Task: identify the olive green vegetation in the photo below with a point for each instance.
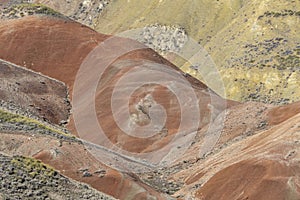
(201, 19)
(17, 119)
(33, 167)
(259, 56)
(247, 40)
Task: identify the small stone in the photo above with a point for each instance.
(86, 174)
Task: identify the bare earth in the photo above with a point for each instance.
(256, 155)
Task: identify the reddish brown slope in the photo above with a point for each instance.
(264, 166)
(32, 94)
(260, 166)
(71, 159)
(52, 46)
(57, 47)
(282, 113)
(271, 156)
(253, 179)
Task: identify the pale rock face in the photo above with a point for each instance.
(143, 109)
(86, 3)
(164, 38)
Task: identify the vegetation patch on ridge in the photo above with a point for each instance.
(15, 122)
(280, 14)
(28, 178)
(33, 167)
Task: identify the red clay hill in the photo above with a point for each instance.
(256, 155)
(57, 48)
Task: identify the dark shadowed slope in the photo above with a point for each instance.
(33, 94)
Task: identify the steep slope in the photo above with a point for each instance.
(266, 166)
(68, 155)
(117, 16)
(85, 12)
(193, 16)
(260, 164)
(255, 155)
(27, 178)
(61, 55)
(260, 39)
(262, 52)
(17, 10)
(33, 94)
(262, 179)
(58, 56)
(269, 156)
(49, 45)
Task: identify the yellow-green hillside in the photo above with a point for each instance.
(259, 52)
(200, 18)
(16, 122)
(254, 44)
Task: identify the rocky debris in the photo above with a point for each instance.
(101, 173)
(83, 11)
(7, 3)
(70, 60)
(244, 123)
(26, 178)
(73, 158)
(12, 109)
(163, 38)
(241, 122)
(25, 8)
(158, 180)
(249, 118)
(88, 11)
(10, 106)
(275, 20)
(142, 110)
(169, 185)
(86, 174)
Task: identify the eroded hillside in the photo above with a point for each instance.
(235, 151)
(259, 56)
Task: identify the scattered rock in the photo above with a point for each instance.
(164, 38)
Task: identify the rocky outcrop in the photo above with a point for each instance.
(83, 11)
(163, 38)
